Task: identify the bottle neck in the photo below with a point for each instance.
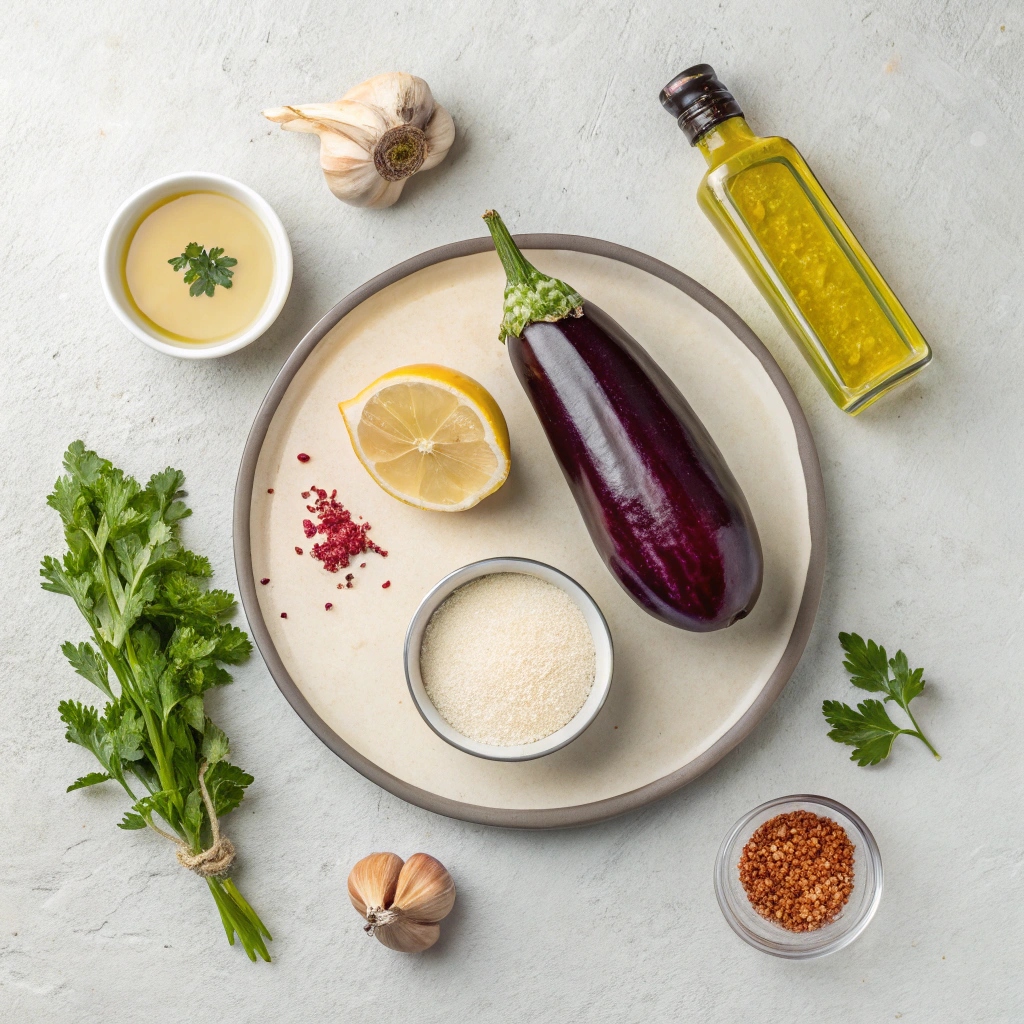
(724, 140)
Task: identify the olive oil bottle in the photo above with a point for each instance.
(769, 207)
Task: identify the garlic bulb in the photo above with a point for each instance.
(402, 903)
(374, 137)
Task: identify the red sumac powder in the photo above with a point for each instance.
(797, 870)
(342, 538)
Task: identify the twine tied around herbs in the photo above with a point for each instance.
(214, 862)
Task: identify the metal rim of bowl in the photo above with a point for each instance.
(440, 593)
(547, 817)
(828, 945)
(122, 222)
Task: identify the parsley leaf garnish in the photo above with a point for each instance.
(205, 270)
(869, 729)
(159, 642)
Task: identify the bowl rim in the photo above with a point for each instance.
(124, 220)
(603, 647)
(832, 941)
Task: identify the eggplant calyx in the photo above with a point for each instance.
(529, 295)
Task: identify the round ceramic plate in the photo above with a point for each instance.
(679, 701)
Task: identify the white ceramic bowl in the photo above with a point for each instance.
(118, 236)
(602, 649)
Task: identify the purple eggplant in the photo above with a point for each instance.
(661, 505)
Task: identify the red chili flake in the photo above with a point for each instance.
(302, 457)
(342, 537)
(385, 584)
(340, 585)
(298, 550)
(270, 490)
(362, 565)
(328, 606)
(284, 615)
(305, 494)
(348, 586)
(349, 576)
(265, 580)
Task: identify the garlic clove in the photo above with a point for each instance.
(356, 181)
(425, 891)
(388, 195)
(373, 881)
(408, 936)
(440, 134)
(403, 98)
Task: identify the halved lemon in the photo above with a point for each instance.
(430, 436)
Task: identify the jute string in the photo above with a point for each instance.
(214, 862)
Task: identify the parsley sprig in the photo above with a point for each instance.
(869, 729)
(206, 270)
(162, 634)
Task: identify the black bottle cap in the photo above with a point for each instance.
(698, 101)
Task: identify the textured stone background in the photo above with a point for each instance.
(911, 113)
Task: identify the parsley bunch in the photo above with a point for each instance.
(162, 634)
(869, 729)
(206, 270)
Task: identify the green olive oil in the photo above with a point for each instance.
(771, 210)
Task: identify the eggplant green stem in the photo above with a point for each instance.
(529, 295)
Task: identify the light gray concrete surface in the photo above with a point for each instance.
(911, 114)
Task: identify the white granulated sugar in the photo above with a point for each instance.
(507, 659)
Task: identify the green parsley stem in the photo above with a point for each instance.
(155, 738)
(921, 736)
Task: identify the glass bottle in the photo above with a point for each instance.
(771, 210)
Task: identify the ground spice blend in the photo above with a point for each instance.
(797, 870)
(343, 537)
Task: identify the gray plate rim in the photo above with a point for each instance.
(548, 817)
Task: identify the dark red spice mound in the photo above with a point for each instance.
(342, 537)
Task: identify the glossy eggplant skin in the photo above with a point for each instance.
(661, 505)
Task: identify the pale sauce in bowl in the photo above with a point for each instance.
(159, 293)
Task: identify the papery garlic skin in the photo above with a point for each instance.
(375, 137)
(425, 891)
(402, 903)
(407, 936)
(373, 881)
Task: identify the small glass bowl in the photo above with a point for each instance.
(772, 938)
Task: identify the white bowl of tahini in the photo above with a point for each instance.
(522, 682)
(153, 300)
